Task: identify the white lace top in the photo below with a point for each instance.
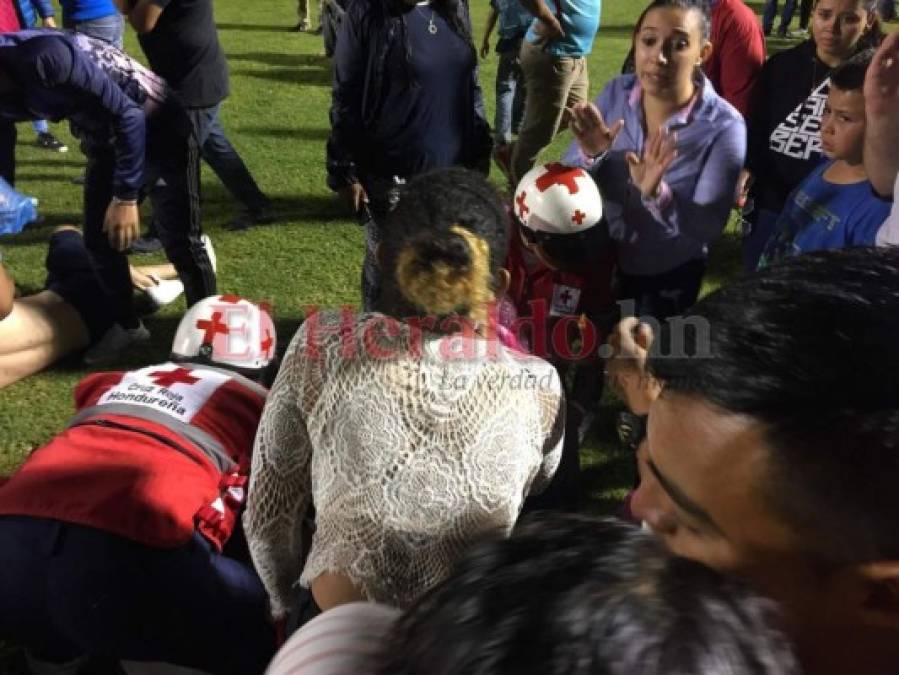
(411, 446)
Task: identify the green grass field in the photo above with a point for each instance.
(277, 116)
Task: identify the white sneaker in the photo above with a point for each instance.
(207, 242)
(164, 292)
(114, 342)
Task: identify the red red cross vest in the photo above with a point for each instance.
(562, 293)
(152, 455)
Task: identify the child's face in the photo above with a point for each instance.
(843, 125)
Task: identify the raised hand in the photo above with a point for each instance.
(647, 171)
(882, 79)
(626, 368)
(590, 129)
(882, 112)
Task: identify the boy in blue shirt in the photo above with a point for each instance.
(514, 21)
(836, 206)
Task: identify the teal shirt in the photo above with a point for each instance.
(580, 21)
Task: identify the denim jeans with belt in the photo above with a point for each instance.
(107, 28)
(218, 152)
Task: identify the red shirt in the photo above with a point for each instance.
(542, 296)
(738, 52)
(152, 455)
(9, 19)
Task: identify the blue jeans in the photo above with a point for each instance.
(219, 154)
(510, 93)
(68, 590)
(786, 17)
(107, 28)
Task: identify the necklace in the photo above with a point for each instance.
(432, 27)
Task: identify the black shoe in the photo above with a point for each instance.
(48, 141)
(247, 219)
(78, 180)
(146, 245)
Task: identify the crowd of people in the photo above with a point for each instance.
(396, 490)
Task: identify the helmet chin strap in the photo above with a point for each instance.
(205, 351)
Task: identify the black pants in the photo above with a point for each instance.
(72, 276)
(173, 157)
(68, 590)
(8, 137)
(383, 195)
(661, 296)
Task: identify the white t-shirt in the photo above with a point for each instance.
(888, 234)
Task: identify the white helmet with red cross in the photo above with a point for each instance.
(557, 199)
(229, 331)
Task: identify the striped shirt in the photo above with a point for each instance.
(345, 640)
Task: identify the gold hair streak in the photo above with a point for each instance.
(441, 289)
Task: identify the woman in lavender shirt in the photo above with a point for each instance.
(667, 162)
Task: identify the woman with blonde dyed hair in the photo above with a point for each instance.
(413, 431)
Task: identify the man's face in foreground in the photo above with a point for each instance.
(701, 492)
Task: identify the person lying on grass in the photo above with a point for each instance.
(70, 313)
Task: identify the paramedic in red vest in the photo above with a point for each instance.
(114, 536)
(561, 263)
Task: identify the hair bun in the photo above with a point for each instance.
(446, 273)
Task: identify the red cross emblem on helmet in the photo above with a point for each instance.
(560, 199)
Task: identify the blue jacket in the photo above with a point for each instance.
(30, 10)
(368, 34)
(86, 10)
(59, 80)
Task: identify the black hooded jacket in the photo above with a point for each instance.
(371, 50)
